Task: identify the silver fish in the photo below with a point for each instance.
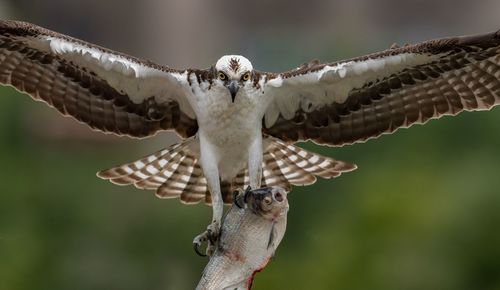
(251, 232)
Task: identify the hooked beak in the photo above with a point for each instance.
(233, 89)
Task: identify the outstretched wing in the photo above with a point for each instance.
(109, 91)
(358, 99)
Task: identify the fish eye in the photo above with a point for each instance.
(246, 76)
(222, 76)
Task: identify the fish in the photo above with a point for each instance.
(251, 232)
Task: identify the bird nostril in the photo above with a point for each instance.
(278, 196)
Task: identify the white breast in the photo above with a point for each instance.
(228, 126)
(226, 123)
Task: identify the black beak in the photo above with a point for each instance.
(233, 89)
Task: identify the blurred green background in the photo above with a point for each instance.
(421, 212)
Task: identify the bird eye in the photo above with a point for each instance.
(246, 77)
(222, 76)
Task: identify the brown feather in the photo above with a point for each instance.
(75, 91)
(465, 78)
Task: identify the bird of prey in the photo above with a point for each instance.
(239, 124)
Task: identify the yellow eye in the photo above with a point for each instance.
(246, 77)
(222, 76)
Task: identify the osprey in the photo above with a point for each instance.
(239, 124)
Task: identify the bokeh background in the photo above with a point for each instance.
(421, 212)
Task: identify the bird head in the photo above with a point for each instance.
(234, 72)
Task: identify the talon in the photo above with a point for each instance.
(197, 241)
(238, 198)
(247, 192)
(196, 247)
(211, 236)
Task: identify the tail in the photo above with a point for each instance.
(174, 172)
(285, 165)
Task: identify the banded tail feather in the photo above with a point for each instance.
(175, 172)
(285, 165)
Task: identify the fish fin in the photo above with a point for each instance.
(272, 235)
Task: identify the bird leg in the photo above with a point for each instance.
(211, 172)
(211, 235)
(255, 162)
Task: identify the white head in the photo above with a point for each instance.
(234, 72)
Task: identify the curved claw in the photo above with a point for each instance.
(238, 199)
(198, 241)
(196, 247)
(247, 192)
(210, 236)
